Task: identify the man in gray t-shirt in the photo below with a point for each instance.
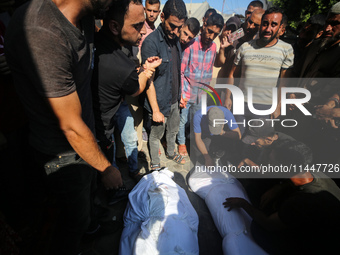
(262, 62)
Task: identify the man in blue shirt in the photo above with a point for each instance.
(209, 131)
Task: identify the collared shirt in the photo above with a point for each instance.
(157, 44)
(196, 69)
(149, 30)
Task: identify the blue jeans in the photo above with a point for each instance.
(187, 114)
(125, 123)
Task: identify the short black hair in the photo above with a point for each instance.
(175, 8)
(215, 20)
(256, 4)
(193, 25)
(209, 12)
(118, 10)
(153, 2)
(275, 9)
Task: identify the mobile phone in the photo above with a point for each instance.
(236, 35)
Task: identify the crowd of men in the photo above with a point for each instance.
(78, 88)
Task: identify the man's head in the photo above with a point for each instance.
(215, 113)
(152, 10)
(173, 17)
(125, 20)
(99, 7)
(313, 29)
(331, 33)
(211, 29)
(261, 134)
(271, 27)
(252, 6)
(208, 13)
(253, 23)
(189, 30)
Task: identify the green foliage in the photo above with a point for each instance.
(299, 11)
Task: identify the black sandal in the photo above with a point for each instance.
(177, 158)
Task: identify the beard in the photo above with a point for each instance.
(128, 41)
(169, 34)
(329, 41)
(266, 41)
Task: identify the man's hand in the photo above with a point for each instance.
(325, 112)
(224, 41)
(150, 66)
(235, 202)
(152, 63)
(276, 113)
(246, 162)
(149, 72)
(183, 102)
(228, 103)
(112, 178)
(208, 160)
(158, 117)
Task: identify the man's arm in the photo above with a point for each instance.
(68, 111)
(157, 116)
(220, 58)
(184, 82)
(228, 102)
(201, 146)
(285, 73)
(232, 134)
(149, 49)
(270, 223)
(148, 71)
(330, 110)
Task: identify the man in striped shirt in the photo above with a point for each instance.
(196, 72)
(262, 62)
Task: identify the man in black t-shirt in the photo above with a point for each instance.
(115, 74)
(49, 48)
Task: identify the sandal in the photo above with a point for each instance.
(155, 167)
(182, 150)
(177, 158)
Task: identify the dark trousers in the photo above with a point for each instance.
(71, 182)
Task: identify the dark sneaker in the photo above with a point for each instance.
(142, 156)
